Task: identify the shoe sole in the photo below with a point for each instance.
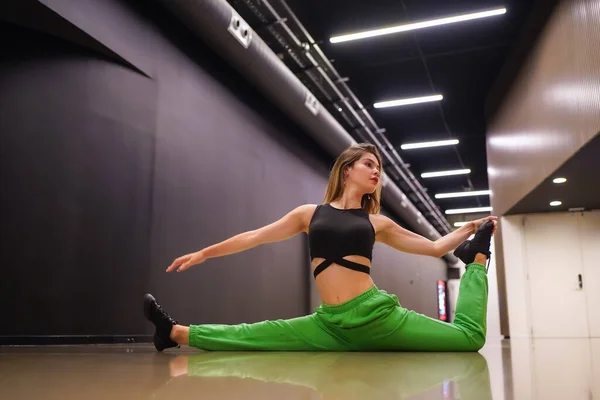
(158, 344)
(460, 252)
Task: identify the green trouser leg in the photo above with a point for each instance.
(418, 332)
(296, 334)
(372, 321)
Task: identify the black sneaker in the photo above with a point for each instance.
(162, 321)
(468, 249)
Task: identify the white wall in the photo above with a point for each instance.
(544, 254)
(493, 309)
(514, 270)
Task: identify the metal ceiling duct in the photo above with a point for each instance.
(222, 28)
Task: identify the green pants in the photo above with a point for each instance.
(372, 321)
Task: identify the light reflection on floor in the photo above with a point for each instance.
(516, 369)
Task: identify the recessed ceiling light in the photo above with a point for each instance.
(559, 180)
(555, 203)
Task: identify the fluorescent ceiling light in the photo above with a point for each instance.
(445, 173)
(459, 224)
(429, 144)
(404, 102)
(559, 180)
(416, 25)
(555, 203)
(463, 194)
(469, 210)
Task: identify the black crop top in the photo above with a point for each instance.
(334, 233)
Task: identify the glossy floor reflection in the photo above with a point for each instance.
(546, 369)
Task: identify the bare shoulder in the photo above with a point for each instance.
(305, 213)
(380, 222)
(306, 209)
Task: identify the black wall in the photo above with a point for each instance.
(107, 174)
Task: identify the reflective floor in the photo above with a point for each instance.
(516, 369)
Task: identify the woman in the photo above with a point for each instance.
(354, 315)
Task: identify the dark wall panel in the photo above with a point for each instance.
(224, 167)
(113, 174)
(411, 277)
(125, 172)
(77, 143)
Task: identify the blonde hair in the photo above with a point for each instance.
(371, 202)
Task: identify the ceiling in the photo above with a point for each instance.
(580, 190)
(460, 61)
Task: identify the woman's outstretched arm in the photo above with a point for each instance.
(289, 225)
(404, 240)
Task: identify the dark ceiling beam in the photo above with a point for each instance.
(401, 60)
(35, 16)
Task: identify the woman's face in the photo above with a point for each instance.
(364, 174)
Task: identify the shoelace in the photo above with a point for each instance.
(164, 314)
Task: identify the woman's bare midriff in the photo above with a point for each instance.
(337, 284)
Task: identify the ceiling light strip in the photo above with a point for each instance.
(416, 25)
(408, 101)
(469, 210)
(463, 194)
(423, 145)
(445, 173)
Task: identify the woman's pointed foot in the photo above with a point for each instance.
(480, 243)
(162, 321)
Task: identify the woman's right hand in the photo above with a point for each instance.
(186, 261)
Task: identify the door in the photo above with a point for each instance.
(589, 232)
(557, 305)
